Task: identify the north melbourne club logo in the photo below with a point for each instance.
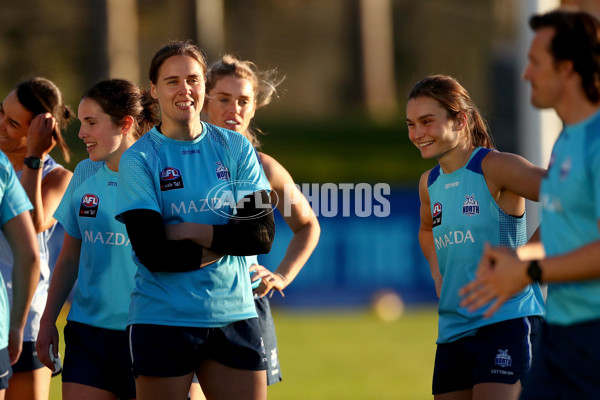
(222, 171)
(565, 168)
(503, 359)
(470, 206)
(274, 358)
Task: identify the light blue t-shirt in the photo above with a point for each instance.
(38, 303)
(570, 197)
(465, 216)
(191, 181)
(106, 269)
(13, 201)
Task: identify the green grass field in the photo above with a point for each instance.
(349, 354)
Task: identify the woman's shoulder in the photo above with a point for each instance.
(268, 161)
(495, 161)
(226, 137)
(147, 146)
(429, 176)
(274, 171)
(88, 164)
(52, 166)
(57, 177)
(5, 164)
(86, 168)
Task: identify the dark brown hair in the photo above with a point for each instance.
(576, 39)
(40, 95)
(119, 98)
(175, 49)
(455, 99)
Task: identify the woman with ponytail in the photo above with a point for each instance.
(32, 117)
(475, 195)
(114, 113)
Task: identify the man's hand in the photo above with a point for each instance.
(500, 275)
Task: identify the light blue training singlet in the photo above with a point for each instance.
(465, 216)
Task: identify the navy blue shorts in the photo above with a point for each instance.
(566, 363)
(99, 358)
(5, 369)
(267, 329)
(499, 353)
(169, 351)
(28, 360)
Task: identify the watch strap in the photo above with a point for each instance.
(534, 271)
(33, 162)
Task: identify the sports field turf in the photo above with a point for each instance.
(349, 354)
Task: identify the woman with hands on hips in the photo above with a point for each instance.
(235, 89)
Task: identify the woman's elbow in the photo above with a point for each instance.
(30, 259)
(154, 261)
(315, 229)
(265, 239)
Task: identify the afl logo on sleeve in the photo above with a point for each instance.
(89, 205)
(436, 215)
(170, 178)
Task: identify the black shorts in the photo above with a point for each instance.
(566, 363)
(168, 351)
(99, 358)
(498, 353)
(28, 360)
(5, 369)
(267, 329)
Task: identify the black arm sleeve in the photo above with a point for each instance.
(147, 235)
(250, 231)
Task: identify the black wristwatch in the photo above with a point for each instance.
(33, 162)
(534, 271)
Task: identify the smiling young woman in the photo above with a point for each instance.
(114, 113)
(31, 119)
(192, 292)
(235, 90)
(474, 195)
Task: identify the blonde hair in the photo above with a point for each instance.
(264, 84)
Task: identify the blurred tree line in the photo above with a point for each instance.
(348, 65)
